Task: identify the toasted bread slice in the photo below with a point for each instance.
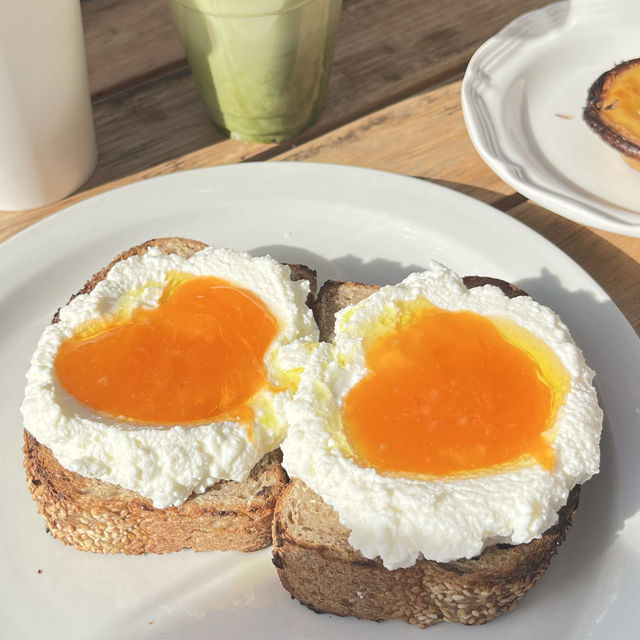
(101, 517)
(319, 567)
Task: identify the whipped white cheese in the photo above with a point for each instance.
(167, 464)
(402, 519)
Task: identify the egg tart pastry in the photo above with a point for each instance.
(613, 109)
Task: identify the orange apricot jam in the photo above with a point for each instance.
(454, 392)
(198, 355)
(622, 105)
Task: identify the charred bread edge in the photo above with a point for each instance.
(469, 591)
(128, 523)
(462, 591)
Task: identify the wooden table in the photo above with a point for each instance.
(393, 104)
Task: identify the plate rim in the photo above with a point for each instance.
(59, 217)
(483, 128)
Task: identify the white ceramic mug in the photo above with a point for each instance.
(47, 139)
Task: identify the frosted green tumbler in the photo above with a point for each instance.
(261, 66)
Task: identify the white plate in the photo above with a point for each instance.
(522, 98)
(348, 223)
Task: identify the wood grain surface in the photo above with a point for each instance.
(386, 50)
(393, 104)
(128, 42)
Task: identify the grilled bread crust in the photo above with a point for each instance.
(97, 516)
(318, 566)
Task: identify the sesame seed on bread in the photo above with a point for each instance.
(97, 516)
(318, 566)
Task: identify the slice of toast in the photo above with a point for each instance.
(101, 517)
(319, 567)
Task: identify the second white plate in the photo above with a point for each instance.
(522, 98)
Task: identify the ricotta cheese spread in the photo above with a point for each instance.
(167, 464)
(402, 518)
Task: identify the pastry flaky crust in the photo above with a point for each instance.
(97, 516)
(596, 108)
(318, 566)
